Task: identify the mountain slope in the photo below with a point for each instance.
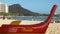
(16, 8)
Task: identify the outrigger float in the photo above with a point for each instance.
(28, 29)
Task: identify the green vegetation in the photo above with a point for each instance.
(22, 14)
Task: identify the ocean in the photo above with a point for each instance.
(38, 18)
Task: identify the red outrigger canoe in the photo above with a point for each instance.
(28, 29)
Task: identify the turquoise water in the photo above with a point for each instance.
(39, 18)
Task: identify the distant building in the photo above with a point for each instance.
(3, 8)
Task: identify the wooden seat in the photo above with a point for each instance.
(15, 22)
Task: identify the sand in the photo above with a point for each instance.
(28, 22)
(23, 22)
(5, 21)
(53, 28)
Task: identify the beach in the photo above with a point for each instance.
(5, 21)
(53, 28)
(23, 22)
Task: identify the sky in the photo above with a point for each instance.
(39, 6)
